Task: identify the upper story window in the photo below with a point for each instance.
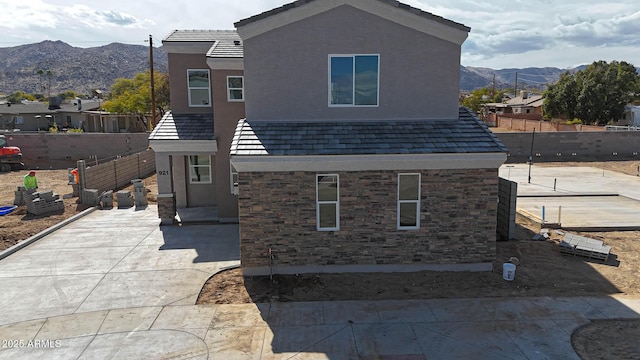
(354, 80)
(235, 88)
(199, 88)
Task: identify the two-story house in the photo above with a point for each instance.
(192, 141)
(354, 154)
(351, 153)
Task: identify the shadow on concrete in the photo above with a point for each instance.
(212, 243)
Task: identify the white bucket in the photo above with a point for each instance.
(508, 271)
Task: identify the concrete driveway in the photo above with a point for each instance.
(109, 259)
(115, 285)
(581, 198)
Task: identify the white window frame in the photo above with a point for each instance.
(324, 202)
(353, 70)
(208, 88)
(208, 167)
(412, 201)
(229, 89)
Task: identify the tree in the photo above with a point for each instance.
(596, 95)
(481, 96)
(40, 73)
(18, 96)
(133, 96)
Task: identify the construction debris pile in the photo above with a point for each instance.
(38, 202)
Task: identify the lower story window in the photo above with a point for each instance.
(200, 169)
(408, 201)
(327, 202)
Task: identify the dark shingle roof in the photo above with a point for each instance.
(200, 35)
(397, 4)
(467, 134)
(184, 127)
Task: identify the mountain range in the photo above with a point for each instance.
(85, 69)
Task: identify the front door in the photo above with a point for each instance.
(201, 186)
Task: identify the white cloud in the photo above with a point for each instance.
(512, 32)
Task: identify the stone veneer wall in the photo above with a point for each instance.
(458, 219)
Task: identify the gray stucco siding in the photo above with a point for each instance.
(288, 68)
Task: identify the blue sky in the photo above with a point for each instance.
(504, 33)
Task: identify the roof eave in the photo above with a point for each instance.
(400, 13)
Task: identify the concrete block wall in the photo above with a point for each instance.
(63, 150)
(534, 121)
(561, 146)
(119, 173)
(458, 220)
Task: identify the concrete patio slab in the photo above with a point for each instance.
(240, 315)
(344, 312)
(295, 314)
(580, 191)
(309, 342)
(29, 298)
(466, 340)
(69, 238)
(185, 317)
(459, 310)
(131, 319)
(236, 343)
(144, 288)
(71, 326)
(539, 340)
(391, 311)
(63, 349)
(52, 262)
(386, 338)
(154, 344)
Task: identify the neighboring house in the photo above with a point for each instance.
(79, 114)
(192, 141)
(631, 116)
(524, 104)
(354, 154)
(27, 116)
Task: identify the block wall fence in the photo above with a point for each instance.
(118, 173)
(46, 150)
(572, 146)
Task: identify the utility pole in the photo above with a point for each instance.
(515, 88)
(533, 136)
(153, 92)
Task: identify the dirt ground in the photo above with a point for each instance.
(20, 225)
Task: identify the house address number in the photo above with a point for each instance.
(163, 172)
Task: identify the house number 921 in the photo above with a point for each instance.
(163, 172)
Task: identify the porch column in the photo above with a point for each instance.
(166, 196)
